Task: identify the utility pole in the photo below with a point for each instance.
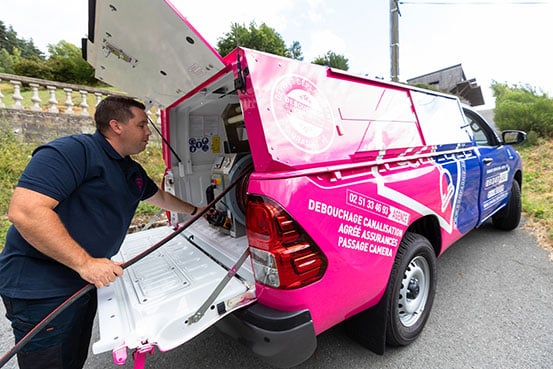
(394, 40)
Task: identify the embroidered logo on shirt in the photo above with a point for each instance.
(139, 183)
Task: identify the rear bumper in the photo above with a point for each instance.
(281, 338)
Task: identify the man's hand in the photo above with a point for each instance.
(100, 272)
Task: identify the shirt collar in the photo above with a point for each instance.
(98, 137)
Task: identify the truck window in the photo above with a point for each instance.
(440, 118)
(483, 133)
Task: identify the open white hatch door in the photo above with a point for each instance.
(152, 303)
(147, 49)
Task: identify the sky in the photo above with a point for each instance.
(494, 40)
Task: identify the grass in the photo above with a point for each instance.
(152, 161)
(14, 156)
(537, 190)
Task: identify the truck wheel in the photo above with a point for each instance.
(508, 218)
(412, 287)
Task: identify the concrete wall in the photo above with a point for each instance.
(41, 127)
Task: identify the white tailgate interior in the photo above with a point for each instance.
(147, 49)
(153, 300)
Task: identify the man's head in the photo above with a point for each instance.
(123, 122)
(115, 107)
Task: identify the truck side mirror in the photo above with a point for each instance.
(513, 136)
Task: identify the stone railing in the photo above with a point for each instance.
(52, 106)
(80, 107)
(37, 118)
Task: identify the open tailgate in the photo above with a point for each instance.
(152, 302)
(147, 49)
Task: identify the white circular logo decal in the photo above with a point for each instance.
(302, 113)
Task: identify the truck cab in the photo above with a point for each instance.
(340, 191)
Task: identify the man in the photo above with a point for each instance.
(70, 212)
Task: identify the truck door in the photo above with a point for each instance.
(494, 163)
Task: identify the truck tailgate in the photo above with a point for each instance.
(154, 299)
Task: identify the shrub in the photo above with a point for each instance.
(522, 107)
(14, 156)
(33, 68)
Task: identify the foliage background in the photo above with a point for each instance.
(14, 156)
(64, 64)
(523, 107)
(267, 39)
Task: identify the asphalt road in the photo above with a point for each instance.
(493, 309)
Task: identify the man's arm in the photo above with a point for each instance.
(33, 215)
(167, 201)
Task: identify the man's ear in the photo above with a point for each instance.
(115, 126)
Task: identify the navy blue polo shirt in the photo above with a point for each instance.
(98, 191)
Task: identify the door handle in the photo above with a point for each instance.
(487, 161)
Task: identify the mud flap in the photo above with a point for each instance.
(369, 327)
(280, 338)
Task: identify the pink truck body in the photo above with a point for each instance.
(351, 165)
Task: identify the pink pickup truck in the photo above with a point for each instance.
(348, 189)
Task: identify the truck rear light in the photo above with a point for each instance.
(283, 255)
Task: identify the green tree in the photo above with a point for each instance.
(29, 50)
(4, 36)
(33, 67)
(9, 41)
(333, 60)
(262, 38)
(523, 107)
(7, 61)
(295, 51)
(68, 65)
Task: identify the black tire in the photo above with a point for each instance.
(508, 218)
(411, 290)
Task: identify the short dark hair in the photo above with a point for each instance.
(115, 107)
